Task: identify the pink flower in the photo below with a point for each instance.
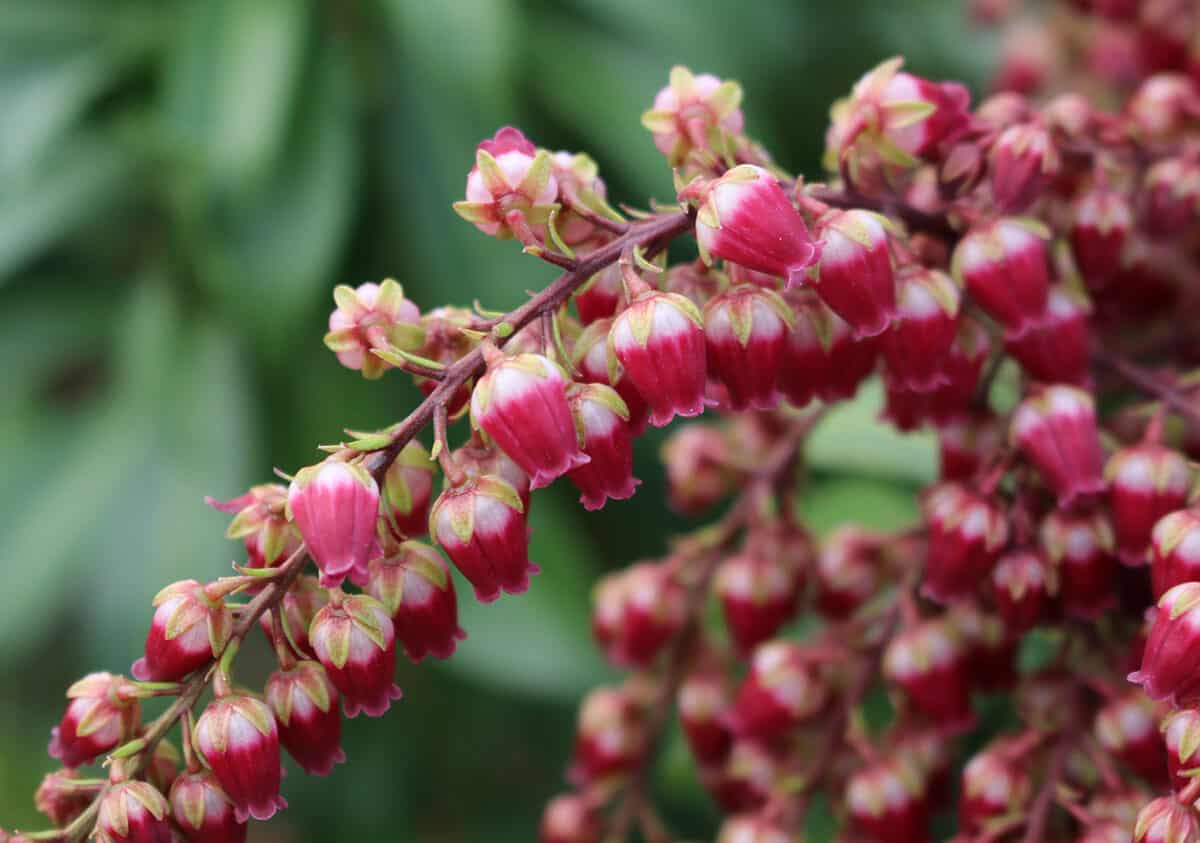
(590, 359)
(782, 690)
(1023, 585)
(260, 520)
(966, 443)
(659, 341)
(746, 330)
(751, 828)
(1057, 346)
(601, 296)
(297, 610)
(335, 504)
(511, 189)
(203, 812)
(356, 643)
(1056, 430)
(636, 612)
(1127, 728)
(850, 567)
(602, 420)
(571, 818)
(133, 812)
(854, 276)
(62, 798)
(925, 328)
(699, 474)
(610, 738)
(408, 492)
(415, 587)
(822, 358)
(1003, 265)
(889, 800)
(1166, 820)
(1145, 483)
(994, 784)
(1022, 160)
(521, 403)
(704, 701)
(188, 631)
(745, 217)
(99, 718)
(481, 526)
(693, 112)
(1100, 228)
(758, 593)
(1181, 733)
(1081, 549)
(967, 532)
(1175, 543)
(305, 704)
(928, 661)
(1170, 196)
(372, 317)
(1171, 659)
(238, 738)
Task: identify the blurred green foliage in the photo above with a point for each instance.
(181, 184)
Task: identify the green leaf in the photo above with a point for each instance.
(876, 504)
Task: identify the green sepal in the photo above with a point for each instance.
(128, 749)
(347, 300)
(365, 614)
(186, 615)
(901, 114)
(398, 357)
(474, 212)
(501, 490)
(220, 629)
(489, 170)
(342, 339)
(555, 237)
(537, 177)
(726, 99)
(313, 682)
(255, 712)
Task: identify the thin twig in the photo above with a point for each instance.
(1152, 384)
(1039, 812)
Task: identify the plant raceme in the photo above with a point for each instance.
(1041, 239)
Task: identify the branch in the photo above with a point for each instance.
(914, 218)
(1151, 384)
(1039, 812)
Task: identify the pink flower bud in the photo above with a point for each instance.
(1056, 430)
(98, 719)
(478, 458)
(749, 828)
(1145, 483)
(703, 701)
(637, 611)
(188, 631)
(238, 738)
(693, 113)
(1023, 585)
(601, 296)
(162, 768)
(889, 801)
(1127, 728)
(1163, 106)
(203, 812)
(990, 649)
(1030, 56)
(1175, 542)
(1105, 831)
(994, 784)
(759, 594)
(415, 587)
(260, 520)
(408, 491)
(782, 690)
(356, 643)
(746, 329)
(822, 359)
(697, 281)
(305, 705)
(1023, 160)
(1081, 548)
(1167, 821)
(590, 359)
(925, 328)
(747, 779)
(570, 818)
(1003, 265)
(373, 316)
(1181, 733)
(1170, 197)
(602, 420)
(335, 504)
(61, 798)
(447, 344)
(610, 739)
(521, 403)
(511, 189)
(928, 662)
(854, 276)
(579, 185)
(659, 341)
(697, 458)
(745, 217)
(1171, 659)
(1100, 227)
(481, 526)
(297, 610)
(133, 812)
(967, 532)
(850, 567)
(966, 444)
(1056, 347)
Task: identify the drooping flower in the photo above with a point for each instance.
(1082, 549)
(610, 738)
(408, 491)
(239, 741)
(305, 704)
(1145, 483)
(746, 330)
(1003, 265)
(925, 327)
(1100, 226)
(1175, 544)
(511, 189)
(1056, 429)
(694, 112)
(782, 689)
(189, 629)
(260, 520)
(854, 276)
(99, 717)
(1023, 160)
(415, 587)
(133, 812)
(928, 662)
(602, 423)
(1171, 658)
(967, 532)
(356, 644)
(203, 812)
(336, 504)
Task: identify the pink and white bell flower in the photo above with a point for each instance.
(1003, 264)
(239, 741)
(415, 587)
(133, 812)
(1171, 658)
(854, 275)
(100, 716)
(372, 317)
(925, 327)
(189, 629)
(967, 532)
(928, 661)
(1100, 225)
(203, 812)
(1146, 482)
(758, 593)
(407, 492)
(1055, 428)
(511, 190)
(1082, 549)
(694, 112)
(1022, 162)
(1175, 547)
(746, 331)
(602, 421)
(1057, 346)
(782, 689)
(335, 505)
(355, 642)
(305, 704)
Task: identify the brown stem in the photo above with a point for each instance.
(1039, 812)
(1151, 384)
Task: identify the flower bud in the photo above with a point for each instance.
(1057, 346)
(659, 341)
(481, 526)
(1145, 483)
(698, 460)
(703, 701)
(260, 520)
(373, 316)
(1170, 197)
(590, 359)
(1056, 430)
(759, 594)
(699, 282)
(1081, 549)
(854, 276)
(1171, 659)
(601, 295)
(694, 112)
(994, 784)
(1105, 831)
(746, 329)
(162, 767)
(966, 444)
(925, 328)
(967, 532)
(61, 798)
(1163, 106)
(747, 779)
(1100, 226)
(928, 662)
(356, 643)
(570, 818)
(781, 690)
(98, 719)
(579, 186)
(408, 491)
(745, 217)
(416, 589)
(1022, 161)
(822, 358)
(521, 403)
(305, 705)
(637, 611)
(189, 630)
(850, 568)
(335, 504)
(889, 800)
(1023, 585)
(133, 812)
(750, 828)
(1127, 728)
(610, 739)
(602, 421)
(203, 812)
(1167, 821)
(511, 189)
(297, 610)
(478, 458)
(1181, 733)
(1003, 265)
(446, 343)
(239, 740)
(1175, 542)
(990, 649)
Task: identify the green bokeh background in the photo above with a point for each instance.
(182, 183)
